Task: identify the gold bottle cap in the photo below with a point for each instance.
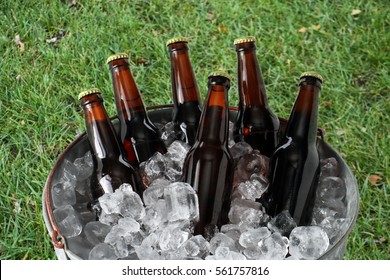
(247, 39)
(88, 92)
(176, 40)
(312, 74)
(117, 56)
(221, 74)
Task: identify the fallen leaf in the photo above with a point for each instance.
(380, 240)
(223, 28)
(52, 40)
(316, 27)
(355, 12)
(340, 132)
(373, 179)
(303, 30)
(72, 3)
(19, 43)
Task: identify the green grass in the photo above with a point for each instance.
(40, 116)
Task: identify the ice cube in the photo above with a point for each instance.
(174, 158)
(172, 238)
(181, 202)
(240, 149)
(196, 246)
(124, 235)
(127, 228)
(70, 171)
(109, 219)
(177, 151)
(155, 191)
(282, 223)
(333, 208)
(232, 230)
(169, 133)
(250, 219)
(62, 194)
(249, 164)
(131, 204)
(155, 167)
(68, 221)
(222, 253)
(79, 246)
(274, 247)
(102, 251)
(126, 188)
(149, 249)
(253, 188)
(221, 240)
(96, 232)
(231, 141)
(252, 237)
(330, 188)
(124, 201)
(333, 227)
(308, 242)
(155, 215)
(111, 202)
(84, 166)
(174, 171)
(122, 249)
(237, 208)
(329, 167)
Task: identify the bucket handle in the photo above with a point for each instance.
(56, 238)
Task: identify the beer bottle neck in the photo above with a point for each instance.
(214, 122)
(100, 131)
(184, 86)
(250, 80)
(127, 96)
(302, 123)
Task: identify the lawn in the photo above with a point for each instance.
(52, 50)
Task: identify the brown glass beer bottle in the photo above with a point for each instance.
(111, 167)
(255, 123)
(136, 129)
(208, 166)
(295, 163)
(187, 106)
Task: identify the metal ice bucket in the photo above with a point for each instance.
(70, 249)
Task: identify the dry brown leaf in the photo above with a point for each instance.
(223, 28)
(19, 43)
(355, 12)
(373, 179)
(303, 30)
